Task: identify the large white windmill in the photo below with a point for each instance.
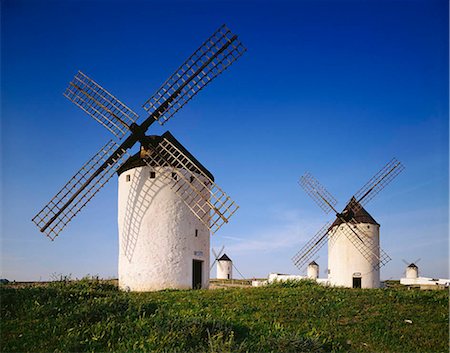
(354, 254)
(168, 202)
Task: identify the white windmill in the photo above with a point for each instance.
(224, 264)
(312, 270)
(224, 267)
(354, 254)
(168, 202)
(411, 271)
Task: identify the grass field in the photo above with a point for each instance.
(91, 315)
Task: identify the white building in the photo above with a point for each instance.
(412, 271)
(413, 280)
(313, 270)
(347, 267)
(224, 267)
(162, 244)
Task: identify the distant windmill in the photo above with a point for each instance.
(411, 271)
(216, 256)
(150, 180)
(224, 265)
(354, 255)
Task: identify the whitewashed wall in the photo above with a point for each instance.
(312, 271)
(412, 272)
(157, 241)
(345, 261)
(224, 269)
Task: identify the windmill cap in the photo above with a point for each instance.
(412, 265)
(361, 216)
(313, 263)
(224, 257)
(136, 160)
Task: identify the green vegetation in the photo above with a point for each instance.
(91, 315)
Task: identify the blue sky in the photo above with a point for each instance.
(336, 88)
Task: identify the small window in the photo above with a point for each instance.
(191, 178)
(368, 227)
(196, 232)
(128, 178)
(152, 175)
(174, 176)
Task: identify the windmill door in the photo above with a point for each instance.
(356, 282)
(197, 274)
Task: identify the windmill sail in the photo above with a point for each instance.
(216, 257)
(377, 183)
(318, 193)
(311, 248)
(76, 194)
(216, 54)
(208, 202)
(100, 104)
(354, 232)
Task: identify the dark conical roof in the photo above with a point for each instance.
(362, 216)
(412, 265)
(224, 257)
(313, 263)
(136, 160)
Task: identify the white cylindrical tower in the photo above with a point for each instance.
(412, 271)
(313, 270)
(347, 267)
(224, 267)
(162, 244)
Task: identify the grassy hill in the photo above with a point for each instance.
(91, 315)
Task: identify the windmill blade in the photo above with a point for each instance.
(100, 104)
(220, 251)
(207, 201)
(377, 183)
(364, 244)
(406, 262)
(71, 199)
(212, 58)
(216, 256)
(215, 259)
(318, 193)
(311, 247)
(234, 266)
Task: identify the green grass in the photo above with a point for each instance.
(90, 315)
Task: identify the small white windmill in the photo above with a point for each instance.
(354, 254)
(411, 271)
(216, 256)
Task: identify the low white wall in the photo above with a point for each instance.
(425, 281)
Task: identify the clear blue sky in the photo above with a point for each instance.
(336, 88)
